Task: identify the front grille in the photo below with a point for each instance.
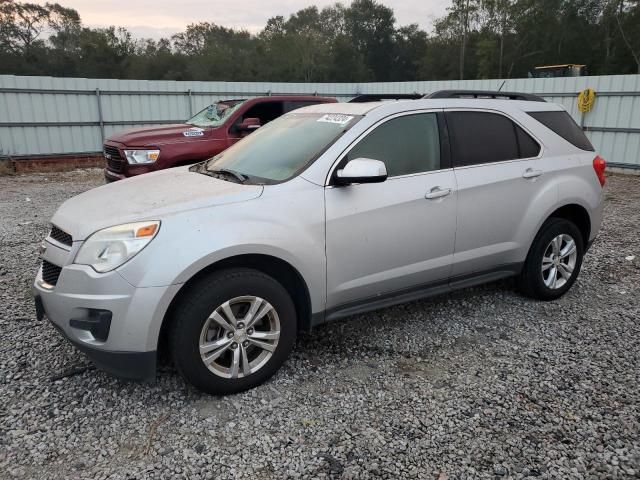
(50, 272)
(60, 236)
(115, 162)
(115, 165)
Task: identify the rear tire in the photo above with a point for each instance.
(232, 330)
(554, 260)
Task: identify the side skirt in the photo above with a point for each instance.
(415, 293)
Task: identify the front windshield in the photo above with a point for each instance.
(283, 147)
(215, 114)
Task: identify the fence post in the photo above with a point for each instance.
(190, 103)
(100, 119)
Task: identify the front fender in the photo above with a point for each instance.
(311, 269)
(286, 222)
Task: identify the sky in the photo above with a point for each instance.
(158, 18)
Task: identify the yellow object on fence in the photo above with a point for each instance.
(586, 99)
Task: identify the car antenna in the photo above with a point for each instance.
(503, 82)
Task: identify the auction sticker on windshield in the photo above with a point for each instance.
(335, 118)
(193, 132)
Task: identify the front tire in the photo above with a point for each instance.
(554, 260)
(232, 331)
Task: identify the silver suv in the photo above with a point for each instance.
(328, 211)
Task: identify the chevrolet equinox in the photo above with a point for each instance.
(328, 211)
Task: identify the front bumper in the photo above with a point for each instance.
(128, 171)
(110, 176)
(127, 365)
(136, 314)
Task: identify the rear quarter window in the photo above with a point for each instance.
(529, 148)
(562, 124)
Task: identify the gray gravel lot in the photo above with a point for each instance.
(478, 384)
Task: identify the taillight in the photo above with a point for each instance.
(599, 165)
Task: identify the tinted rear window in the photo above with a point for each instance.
(479, 137)
(562, 124)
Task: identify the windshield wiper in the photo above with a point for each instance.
(241, 177)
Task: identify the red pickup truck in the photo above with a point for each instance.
(206, 134)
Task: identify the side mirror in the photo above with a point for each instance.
(249, 125)
(362, 170)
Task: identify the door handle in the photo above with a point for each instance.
(531, 173)
(437, 192)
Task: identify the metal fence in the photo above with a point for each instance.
(52, 116)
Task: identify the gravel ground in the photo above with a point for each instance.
(478, 384)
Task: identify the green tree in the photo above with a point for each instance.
(410, 45)
(21, 25)
(213, 52)
(627, 17)
(371, 27)
(359, 41)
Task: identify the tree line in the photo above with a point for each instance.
(359, 42)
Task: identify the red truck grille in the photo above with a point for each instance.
(115, 162)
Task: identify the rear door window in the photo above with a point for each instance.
(481, 137)
(484, 137)
(562, 124)
(407, 144)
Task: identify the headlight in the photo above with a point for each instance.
(107, 249)
(137, 157)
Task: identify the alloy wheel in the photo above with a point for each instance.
(239, 337)
(559, 261)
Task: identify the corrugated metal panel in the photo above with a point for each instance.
(43, 100)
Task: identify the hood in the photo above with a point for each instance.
(158, 135)
(147, 197)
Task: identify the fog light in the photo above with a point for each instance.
(97, 323)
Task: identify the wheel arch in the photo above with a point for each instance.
(574, 212)
(277, 268)
(577, 215)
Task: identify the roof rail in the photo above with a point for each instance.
(376, 97)
(484, 94)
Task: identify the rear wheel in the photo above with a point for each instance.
(232, 331)
(554, 260)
